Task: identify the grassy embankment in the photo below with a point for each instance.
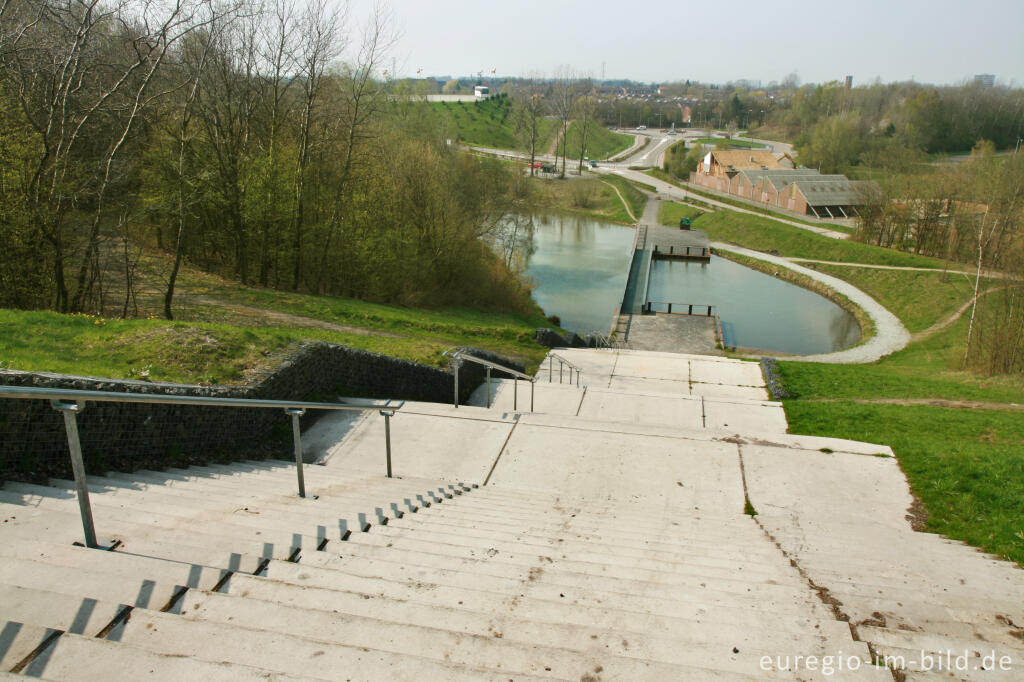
(589, 196)
(660, 174)
(489, 124)
(601, 142)
(712, 142)
(958, 436)
(225, 333)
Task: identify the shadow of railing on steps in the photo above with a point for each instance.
(71, 403)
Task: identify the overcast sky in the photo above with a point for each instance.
(931, 41)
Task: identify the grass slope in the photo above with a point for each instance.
(224, 332)
(601, 142)
(764, 234)
(671, 212)
(489, 123)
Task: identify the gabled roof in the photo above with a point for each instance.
(830, 192)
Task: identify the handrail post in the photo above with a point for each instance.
(560, 366)
(531, 395)
(515, 393)
(295, 413)
(488, 386)
(456, 365)
(387, 437)
(551, 367)
(70, 410)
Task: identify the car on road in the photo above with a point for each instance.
(593, 164)
(641, 127)
(536, 164)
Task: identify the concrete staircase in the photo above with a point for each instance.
(605, 543)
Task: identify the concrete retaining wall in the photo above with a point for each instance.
(127, 436)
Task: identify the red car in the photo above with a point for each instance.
(536, 164)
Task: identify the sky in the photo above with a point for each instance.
(933, 41)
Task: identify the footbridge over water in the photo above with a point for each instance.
(636, 321)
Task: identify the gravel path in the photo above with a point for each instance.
(890, 334)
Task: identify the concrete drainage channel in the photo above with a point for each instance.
(34, 664)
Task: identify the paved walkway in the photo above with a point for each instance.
(890, 334)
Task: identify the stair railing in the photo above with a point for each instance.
(562, 363)
(70, 403)
(459, 356)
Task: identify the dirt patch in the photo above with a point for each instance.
(932, 402)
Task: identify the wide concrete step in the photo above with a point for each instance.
(335, 477)
(932, 616)
(287, 511)
(316, 655)
(549, 647)
(755, 544)
(311, 535)
(522, 618)
(545, 544)
(454, 586)
(671, 583)
(149, 590)
(782, 624)
(473, 547)
(950, 597)
(284, 483)
(506, 561)
(59, 559)
(975, 585)
(931, 643)
(30, 524)
(86, 659)
(19, 639)
(976, 664)
(79, 614)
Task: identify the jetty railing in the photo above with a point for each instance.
(562, 363)
(70, 403)
(703, 309)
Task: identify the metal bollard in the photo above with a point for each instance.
(387, 436)
(70, 410)
(531, 395)
(488, 387)
(295, 413)
(515, 393)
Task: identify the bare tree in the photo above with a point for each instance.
(585, 114)
(528, 106)
(563, 97)
(324, 41)
(360, 96)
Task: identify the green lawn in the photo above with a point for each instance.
(218, 344)
(919, 299)
(637, 200)
(764, 234)
(671, 212)
(564, 196)
(488, 123)
(601, 142)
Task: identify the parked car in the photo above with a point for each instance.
(537, 164)
(593, 164)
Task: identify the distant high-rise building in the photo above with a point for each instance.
(849, 82)
(985, 80)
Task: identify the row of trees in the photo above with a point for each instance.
(567, 97)
(969, 212)
(256, 139)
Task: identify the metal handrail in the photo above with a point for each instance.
(458, 356)
(71, 402)
(648, 308)
(561, 363)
